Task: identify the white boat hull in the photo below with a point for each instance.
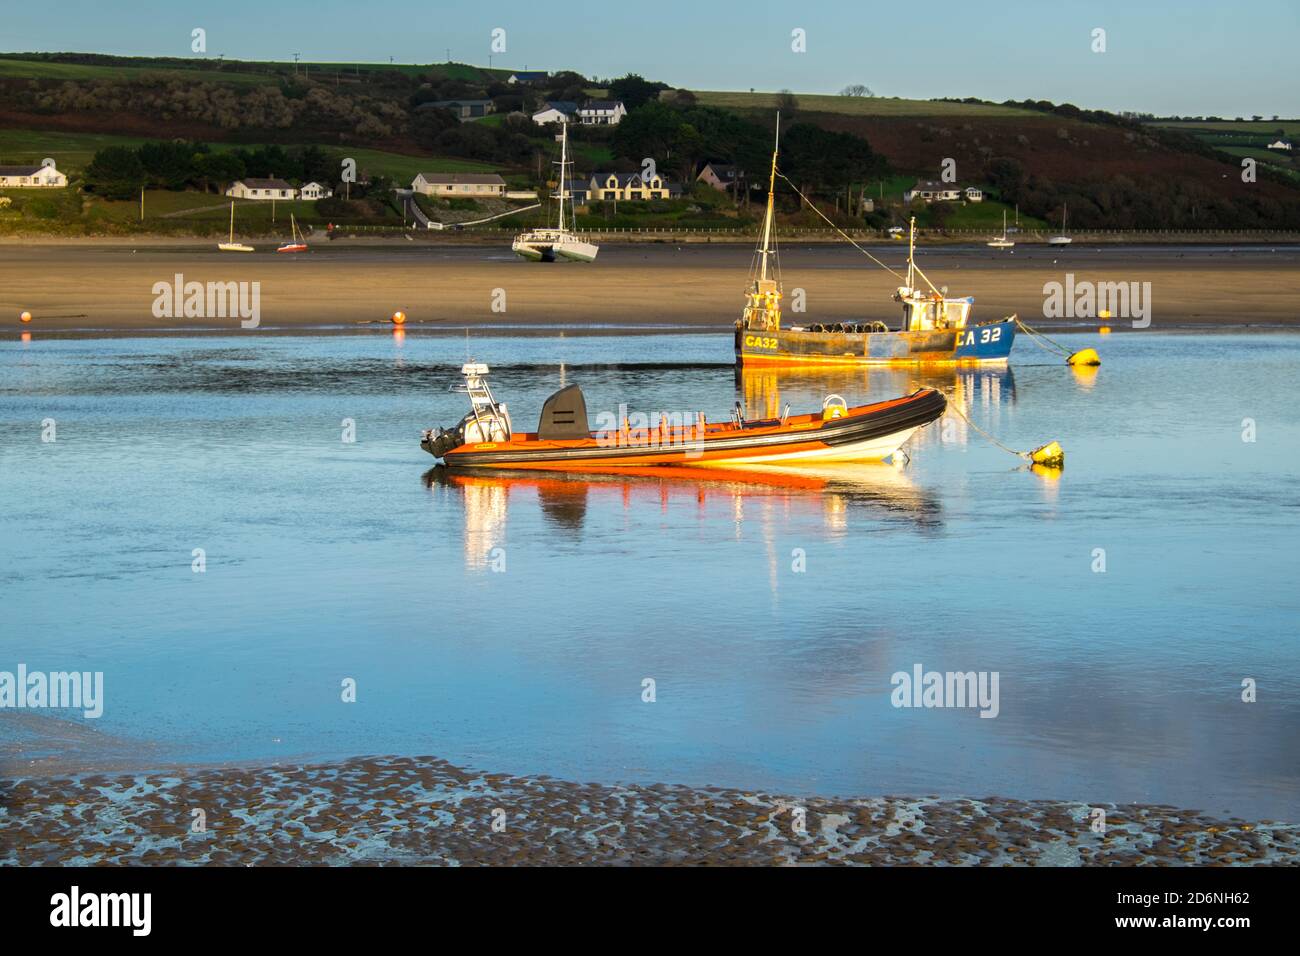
(548, 249)
(870, 449)
(234, 247)
(1059, 241)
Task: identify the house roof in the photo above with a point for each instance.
(19, 170)
(563, 106)
(721, 170)
(265, 183)
(463, 179)
(627, 179)
(530, 75)
(603, 105)
(931, 185)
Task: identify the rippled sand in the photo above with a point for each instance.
(427, 811)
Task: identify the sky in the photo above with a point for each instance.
(1193, 57)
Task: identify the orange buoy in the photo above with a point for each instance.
(399, 318)
(1104, 330)
(25, 317)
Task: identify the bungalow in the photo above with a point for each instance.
(32, 177)
(314, 190)
(930, 191)
(261, 189)
(1279, 144)
(460, 185)
(464, 109)
(631, 186)
(721, 176)
(602, 113)
(556, 111)
(974, 194)
(528, 76)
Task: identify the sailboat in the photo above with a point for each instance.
(1062, 239)
(936, 329)
(297, 241)
(1001, 242)
(547, 245)
(233, 246)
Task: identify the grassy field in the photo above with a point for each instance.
(72, 151)
(1260, 128)
(858, 105)
(40, 70)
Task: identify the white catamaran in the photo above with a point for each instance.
(547, 245)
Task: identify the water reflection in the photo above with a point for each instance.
(771, 498)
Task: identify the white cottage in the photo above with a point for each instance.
(602, 113)
(265, 189)
(315, 190)
(459, 185)
(32, 177)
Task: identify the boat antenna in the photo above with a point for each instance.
(771, 202)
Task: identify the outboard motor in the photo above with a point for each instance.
(487, 421)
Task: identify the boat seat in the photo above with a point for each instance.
(564, 416)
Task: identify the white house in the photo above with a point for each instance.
(602, 113)
(264, 189)
(314, 190)
(528, 76)
(556, 111)
(1280, 144)
(460, 185)
(931, 191)
(974, 194)
(32, 177)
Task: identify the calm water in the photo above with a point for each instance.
(328, 560)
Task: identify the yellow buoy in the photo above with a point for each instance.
(1104, 330)
(25, 317)
(1046, 471)
(1084, 357)
(1050, 455)
(399, 318)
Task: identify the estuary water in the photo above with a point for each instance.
(201, 532)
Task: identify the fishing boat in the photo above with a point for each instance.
(297, 241)
(1062, 239)
(547, 245)
(564, 441)
(233, 246)
(935, 329)
(1001, 242)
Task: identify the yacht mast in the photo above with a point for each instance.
(771, 202)
(564, 157)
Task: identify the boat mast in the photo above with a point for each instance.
(911, 251)
(564, 156)
(232, 221)
(771, 203)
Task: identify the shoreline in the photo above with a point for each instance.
(109, 287)
(426, 811)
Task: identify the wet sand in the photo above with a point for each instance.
(108, 285)
(397, 810)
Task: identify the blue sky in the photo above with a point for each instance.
(1192, 57)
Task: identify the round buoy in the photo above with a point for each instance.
(399, 318)
(25, 317)
(1050, 455)
(1084, 357)
(1104, 330)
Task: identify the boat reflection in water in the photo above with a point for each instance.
(981, 394)
(760, 498)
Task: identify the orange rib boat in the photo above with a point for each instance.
(485, 437)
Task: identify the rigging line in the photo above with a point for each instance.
(847, 238)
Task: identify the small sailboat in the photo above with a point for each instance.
(1062, 239)
(233, 246)
(547, 245)
(1001, 242)
(297, 241)
(485, 438)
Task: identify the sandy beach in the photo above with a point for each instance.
(109, 285)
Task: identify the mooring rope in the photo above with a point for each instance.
(1019, 454)
(1035, 335)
